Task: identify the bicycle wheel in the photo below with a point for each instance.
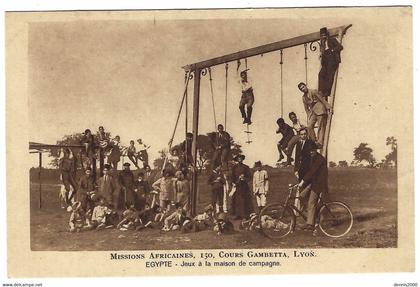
(276, 221)
(335, 219)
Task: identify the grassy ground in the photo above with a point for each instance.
(371, 194)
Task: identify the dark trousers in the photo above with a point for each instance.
(220, 156)
(68, 180)
(144, 157)
(133, 159)
(282, 145)
(247, 100)
(93, 166)
(91, 163)
(326, 79)
(217, 197)
(101, 161)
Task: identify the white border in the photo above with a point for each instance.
(279, 280)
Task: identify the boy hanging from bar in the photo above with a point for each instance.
(247, 98)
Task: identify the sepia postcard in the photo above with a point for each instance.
(207, 142)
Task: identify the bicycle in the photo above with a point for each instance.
(334, 218)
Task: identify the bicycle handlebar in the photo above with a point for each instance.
(293, 186)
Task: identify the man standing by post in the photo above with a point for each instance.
(316, 108)
(317, 177)
(221, 142)
(302, 154)
(106, 185)
(126, 181)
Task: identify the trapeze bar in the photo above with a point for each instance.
(288, 43)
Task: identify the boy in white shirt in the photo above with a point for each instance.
(99, 215)
(260, 185)
(247, 98)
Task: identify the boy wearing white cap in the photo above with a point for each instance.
(260, 185)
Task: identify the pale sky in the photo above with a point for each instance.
(126, 75)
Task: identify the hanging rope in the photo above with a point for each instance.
(177, 118)
(226, 92)
(281, 82)
(246, 63)
(306, 63)
(212, 99)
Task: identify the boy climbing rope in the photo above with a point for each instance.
(247, 98)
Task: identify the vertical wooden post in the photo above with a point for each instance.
(186, 111)
(186, 158)
(226, 91)
(196, 110)
(329, 118)
(39, 178)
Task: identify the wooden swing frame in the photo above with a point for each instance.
(197, 68)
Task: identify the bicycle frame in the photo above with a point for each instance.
(290, 199)
(290, 209)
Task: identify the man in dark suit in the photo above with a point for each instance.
(302, 154)
(126, 181)
(150, 176)
(317, 177)
(107, 186)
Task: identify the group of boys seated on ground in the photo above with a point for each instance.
(139, 205)
(163, 204)
(91, 215)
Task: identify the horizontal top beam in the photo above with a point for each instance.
(288, 43)
(46, 146)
